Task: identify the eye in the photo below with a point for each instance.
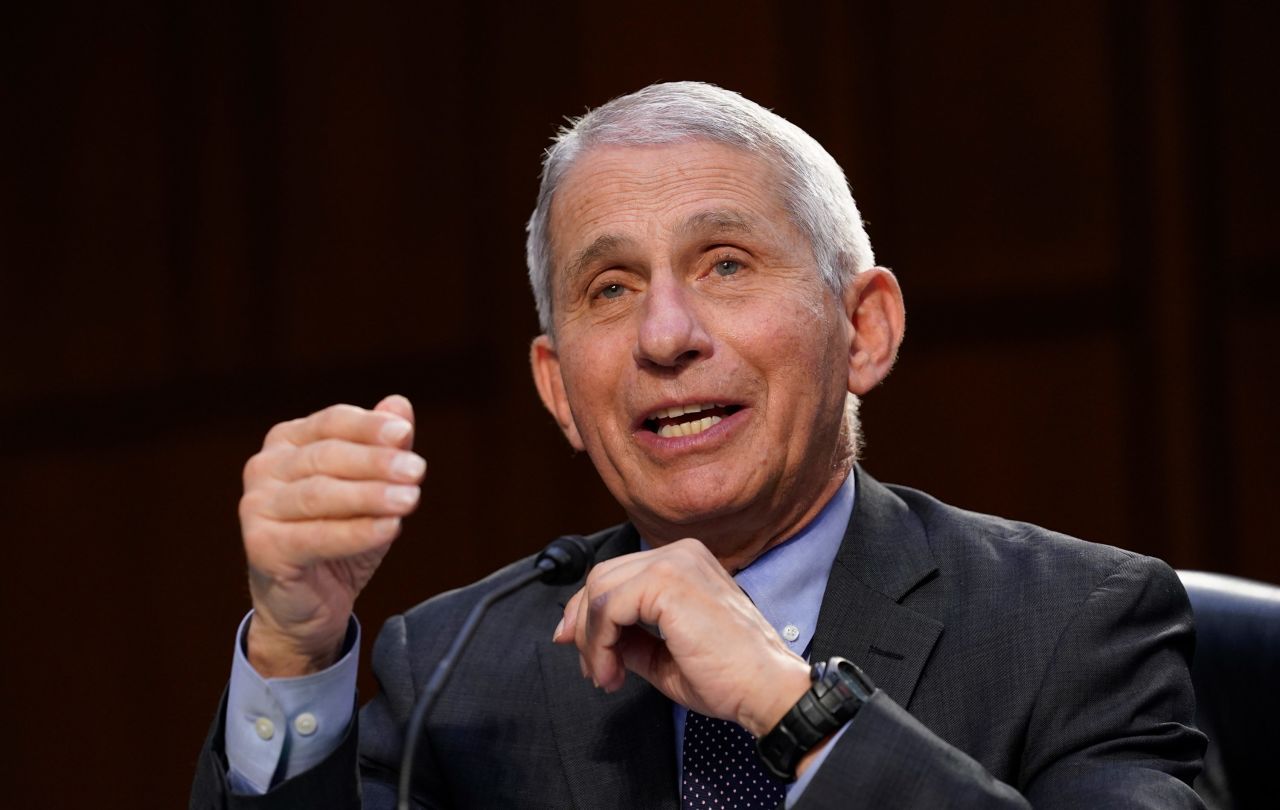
(611, 291)
(727, 267)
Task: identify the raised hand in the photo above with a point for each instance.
(322, 503)
(712, 650)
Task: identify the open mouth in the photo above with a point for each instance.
(687, 420)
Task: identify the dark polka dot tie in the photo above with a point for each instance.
(721, 768)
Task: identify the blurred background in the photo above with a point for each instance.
(214, 217)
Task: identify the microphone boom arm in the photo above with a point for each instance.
(564, 561)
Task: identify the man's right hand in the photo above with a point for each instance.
(322, 503)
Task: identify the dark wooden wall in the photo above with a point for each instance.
(214, 218)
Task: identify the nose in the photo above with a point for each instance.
(671, 331)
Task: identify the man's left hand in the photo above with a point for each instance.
(712, 651)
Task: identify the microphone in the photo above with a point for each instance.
(565, 560)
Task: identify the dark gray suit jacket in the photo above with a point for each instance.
(1015, 667)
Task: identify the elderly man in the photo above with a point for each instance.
(711, 311)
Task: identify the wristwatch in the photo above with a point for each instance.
(839, 689)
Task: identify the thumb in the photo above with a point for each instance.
(400, 406)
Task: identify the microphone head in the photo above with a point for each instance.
(566, 559)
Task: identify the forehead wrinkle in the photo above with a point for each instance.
(716, 221)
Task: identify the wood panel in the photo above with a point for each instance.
(214, 218)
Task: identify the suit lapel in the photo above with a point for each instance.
(617, 750)
(884, 556)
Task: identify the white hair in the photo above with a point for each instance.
(814, 189)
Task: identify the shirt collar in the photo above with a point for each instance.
(787, 582)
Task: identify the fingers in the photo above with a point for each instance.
(337, 458)
(616, 613)
(342, 443)
(598, 580)
(323, 500)
(676, 618)
(608, 617)
(343, 464)
(390, 426)
(323, 497)
(337, 539)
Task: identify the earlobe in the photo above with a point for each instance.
(877, 320)
(545, 363)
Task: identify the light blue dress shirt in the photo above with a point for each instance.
(296, 722)
(278, 728)
(786, 583)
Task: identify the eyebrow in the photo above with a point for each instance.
(600, 246)
(716, 220)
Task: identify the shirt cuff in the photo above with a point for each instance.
(797, 787)
(278, 728)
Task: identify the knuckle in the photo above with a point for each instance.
(322, 457)
(369, 534)
(279, 433)
(250, 506)
(688, 545)
(359, 530)
(691, 552)
(252, 470)
(665, 568)
(592, 585)
(335, 415)
(324, 419)
(290, 542)
(311, 497)
(329, 419)
(383, 458)
(257, 535)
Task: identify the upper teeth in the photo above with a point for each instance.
(681, 410)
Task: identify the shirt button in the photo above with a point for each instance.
(265, 728)
(305, 724)
(791, 632)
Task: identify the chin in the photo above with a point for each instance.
(688, 512)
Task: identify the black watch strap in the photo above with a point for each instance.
(839, 689)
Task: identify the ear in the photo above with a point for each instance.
(546, 376)
(877, 320)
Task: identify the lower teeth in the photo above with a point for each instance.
(688, 428)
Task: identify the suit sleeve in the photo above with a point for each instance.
(1111, 726)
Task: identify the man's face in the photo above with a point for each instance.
(680, 283)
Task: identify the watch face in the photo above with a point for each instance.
(853, 679)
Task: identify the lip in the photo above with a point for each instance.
(709, 439)
(651, 411)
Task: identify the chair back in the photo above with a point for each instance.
(1237, 680)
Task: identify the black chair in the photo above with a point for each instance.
(1237, 679)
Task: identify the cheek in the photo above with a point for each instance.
(801, 354)
(590, 385)
(793, 336)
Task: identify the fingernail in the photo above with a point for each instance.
(408, 465)
(559, 627)
(402, 496)
(394, 430)
(386, 528)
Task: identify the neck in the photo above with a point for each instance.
(737, 540)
